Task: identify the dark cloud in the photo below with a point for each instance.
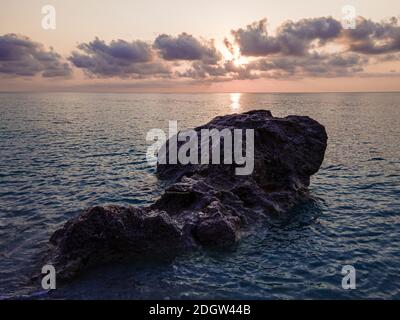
(310, 65)
(298, 38)
(201, 70)
(19, 56)
(205, 60)
(387, 57)
(255, 41)
(292, 38)
(371, 37)
(118, 59)
(186, 47)
(297, 49)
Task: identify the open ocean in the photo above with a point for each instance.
(63, 152)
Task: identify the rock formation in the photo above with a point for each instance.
(205, 204)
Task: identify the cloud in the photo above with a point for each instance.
(201, 70)
(20, 56)
(373, 38)
(310, 65)
(205, 60)
(118, 59)
(186, 47)
(299, 49)
(313, 64)
(314, 47)
(292, 38)
(298, 38)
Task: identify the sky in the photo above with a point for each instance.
(200, 46)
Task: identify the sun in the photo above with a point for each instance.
(240, 61)
(233, 54)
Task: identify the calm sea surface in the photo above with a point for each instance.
(63, 152)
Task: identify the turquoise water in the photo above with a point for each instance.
(62, 152)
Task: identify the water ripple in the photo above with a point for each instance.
(61, 153)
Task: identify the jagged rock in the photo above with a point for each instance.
(205, 205)
(102, 234)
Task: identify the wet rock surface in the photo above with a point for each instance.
(205, 204)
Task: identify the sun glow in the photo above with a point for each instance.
(240, 61)
(233, 54)
(235, 100)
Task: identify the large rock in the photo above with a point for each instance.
(205, 204)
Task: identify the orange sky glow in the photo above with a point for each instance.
(188, 46)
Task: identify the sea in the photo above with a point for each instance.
(63, 152)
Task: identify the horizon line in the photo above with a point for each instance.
(194, 92)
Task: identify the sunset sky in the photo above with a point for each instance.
(200, 46)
